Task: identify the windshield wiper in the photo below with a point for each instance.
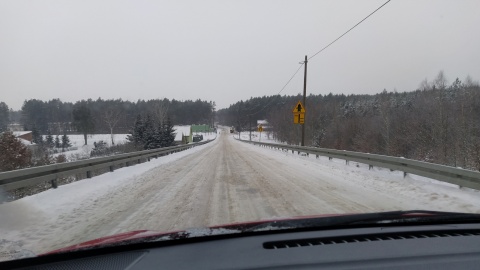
(412, 217)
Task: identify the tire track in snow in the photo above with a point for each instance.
(224, 182)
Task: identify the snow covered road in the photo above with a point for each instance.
(222, 182)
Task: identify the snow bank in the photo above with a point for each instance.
(266, 136)
(29, 223)
(79, 150)
(181, 130)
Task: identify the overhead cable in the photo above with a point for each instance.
(349, 30)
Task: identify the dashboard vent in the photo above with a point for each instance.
(366, 238)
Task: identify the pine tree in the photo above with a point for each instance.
(158, 136)
(137, 133)
(83, 119)
(65, 142)
(49, 140)
(36, 136)
(57, 142)
(168, 134)
(14, 154)
(4, 116)
(149, 134)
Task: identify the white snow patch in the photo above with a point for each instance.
(266, 136)
(81, 151)
(181, 130)
(51, 206)
(429, 194)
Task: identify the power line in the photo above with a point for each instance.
(302, 63)
(283, 88)
(291, 78)
(349, 30)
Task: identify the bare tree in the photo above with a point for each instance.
(440, 81)
(111, 116)
(160, 111)
(425, 85)
(469, 82)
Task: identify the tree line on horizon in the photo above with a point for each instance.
(149, 123)
(102, 116)
(439, 122)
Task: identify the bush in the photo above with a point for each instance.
(61, 159)
(103, 150)
(14, 154)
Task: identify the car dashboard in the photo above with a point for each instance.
(452, 246)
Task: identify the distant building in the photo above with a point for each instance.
(26, 139)
(183, 134)
(201, 128)
(264, 124)
(15, 127)
(25, 135)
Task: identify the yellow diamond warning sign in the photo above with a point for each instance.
(299, 108)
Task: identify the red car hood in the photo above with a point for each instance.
(159, 236)
(143, 236)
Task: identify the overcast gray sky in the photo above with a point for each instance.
(226, 51)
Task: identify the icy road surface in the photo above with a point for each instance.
(222, 182)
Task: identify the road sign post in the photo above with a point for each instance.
(304, 99)
(260, 129)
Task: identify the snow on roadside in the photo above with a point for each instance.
(208, 135)
(80, 150)
(65, 197)
(51, 206)
(431, 194)
(265, 136)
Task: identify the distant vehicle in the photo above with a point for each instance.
(197, 138)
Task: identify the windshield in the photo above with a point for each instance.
(119, 116)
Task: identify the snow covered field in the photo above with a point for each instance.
(80, 150)
(221, 182)
(265, 137)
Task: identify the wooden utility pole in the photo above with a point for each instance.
(304, 98)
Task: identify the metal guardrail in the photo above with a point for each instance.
(456, 176)
(50, 173)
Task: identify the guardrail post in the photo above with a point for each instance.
(293, 152)
(89, 174)
(148, 159)
(370, 167)
(404, 174)
(329, 158)
(127, 163)
(316, 156)
(54, 183)
(346, 161)
(111, 168)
